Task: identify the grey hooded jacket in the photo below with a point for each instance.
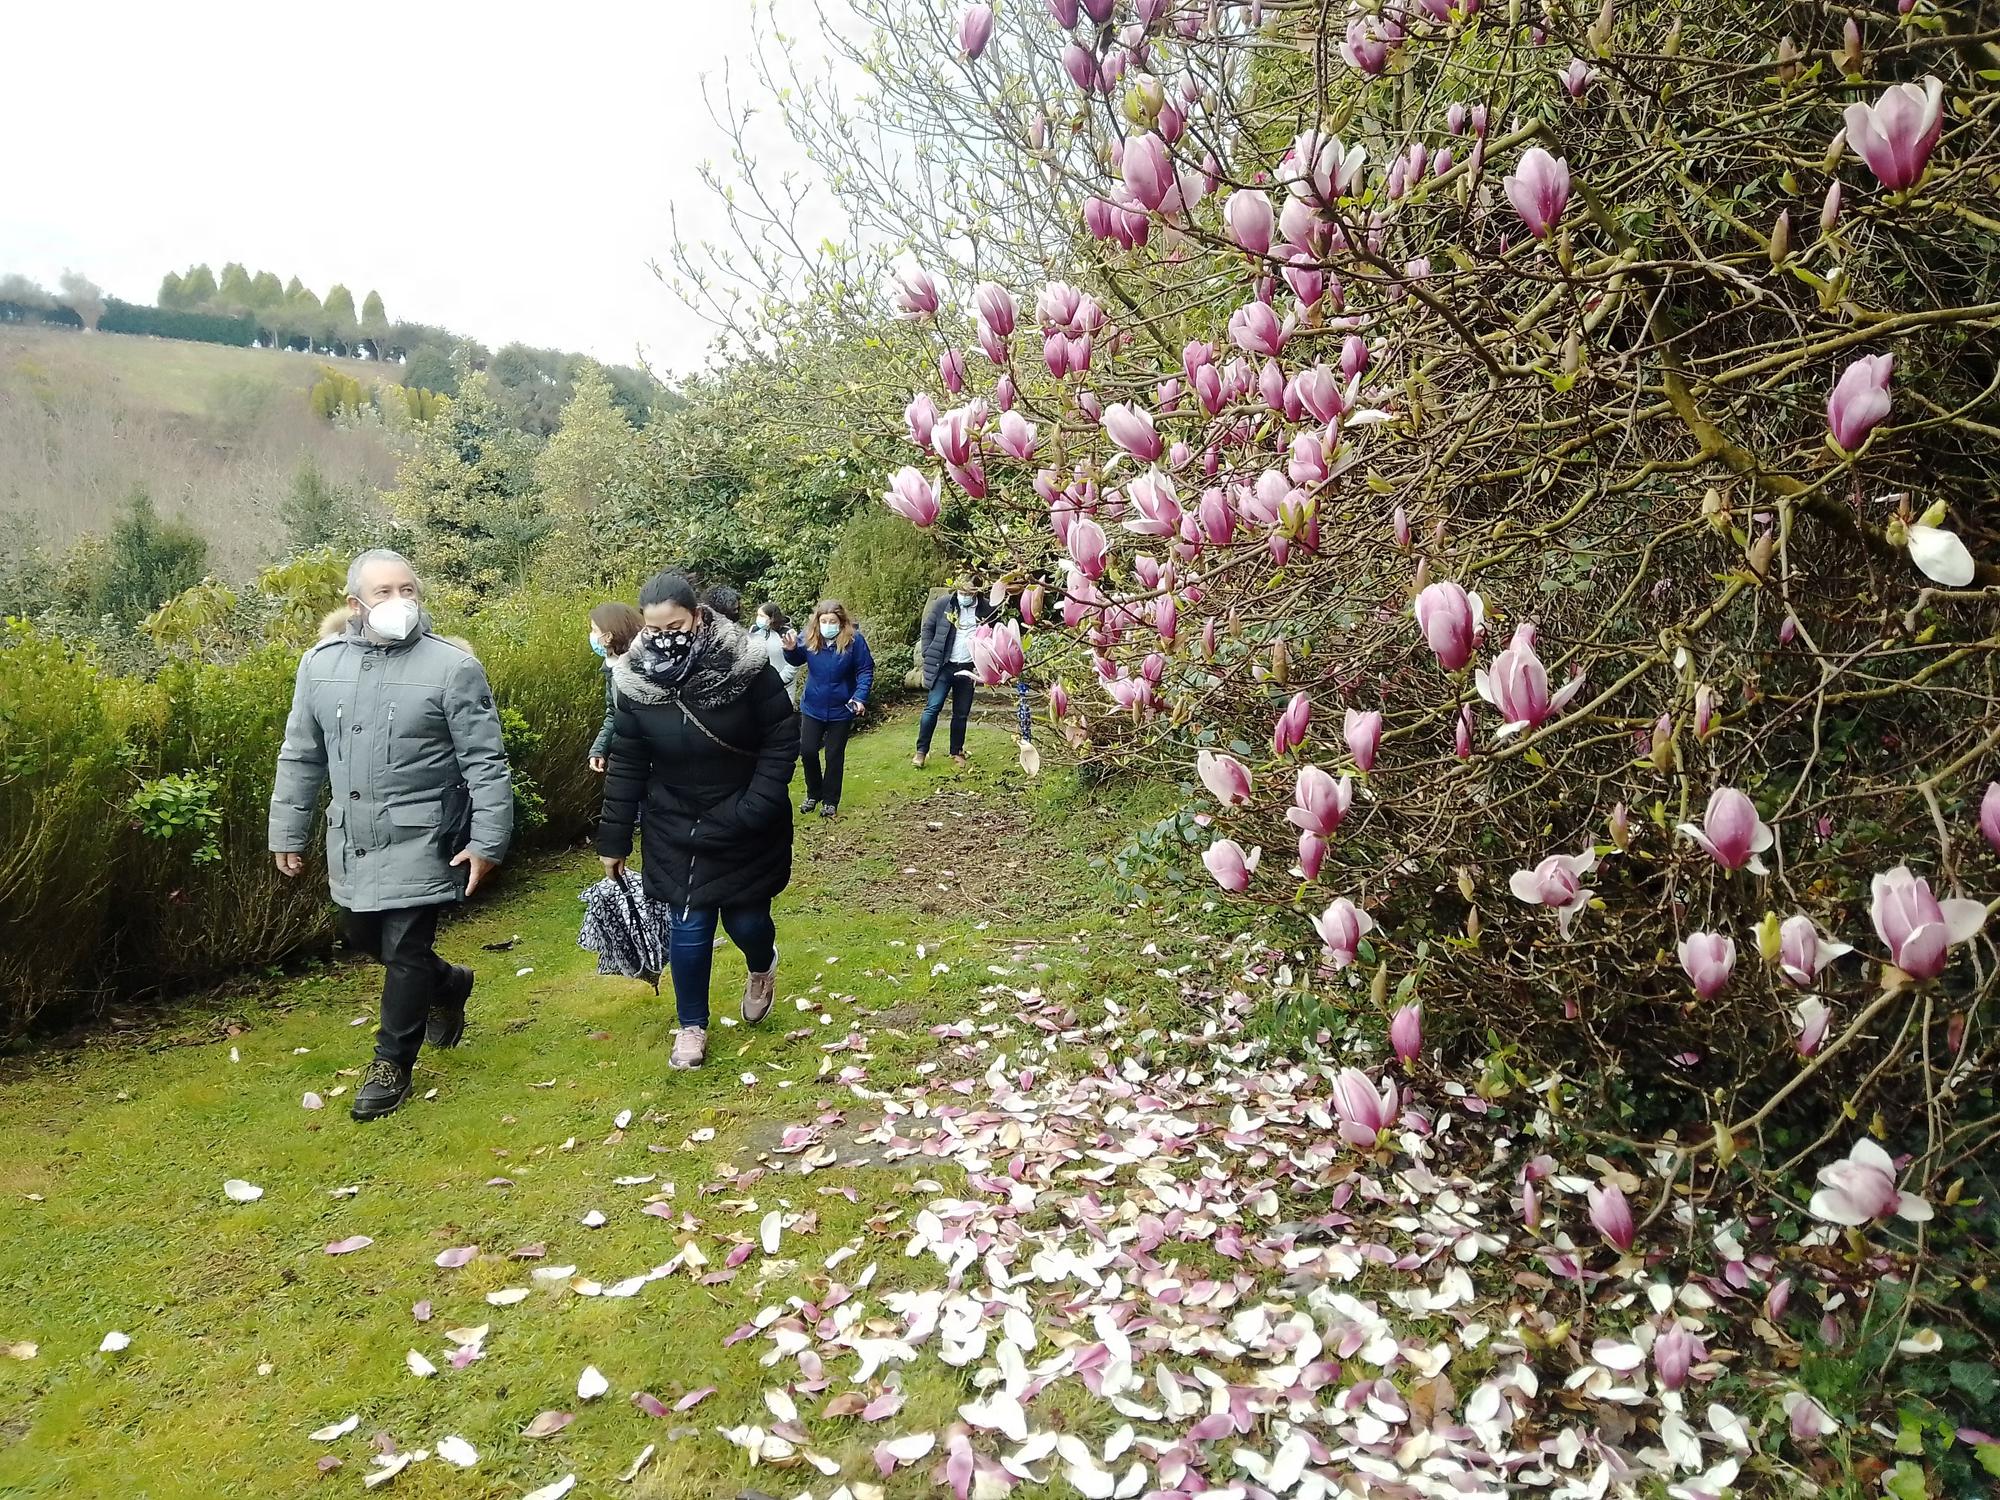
(394, 729)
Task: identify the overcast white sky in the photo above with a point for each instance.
(503, 169)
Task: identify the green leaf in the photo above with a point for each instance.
(1906, 1482)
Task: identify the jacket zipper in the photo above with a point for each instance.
(340, 730)
(688, 905)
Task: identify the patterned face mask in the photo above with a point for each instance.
(663, 656)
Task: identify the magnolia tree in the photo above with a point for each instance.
(1523, 467)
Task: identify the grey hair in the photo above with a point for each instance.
(375, 555)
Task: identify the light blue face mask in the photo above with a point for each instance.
(828, 630)
(599, 647)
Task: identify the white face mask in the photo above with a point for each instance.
(393, 619)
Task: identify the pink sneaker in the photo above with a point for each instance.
(690, 1047)
(759, 990)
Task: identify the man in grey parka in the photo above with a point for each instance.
(402, 724)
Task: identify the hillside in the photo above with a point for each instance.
(213, 433)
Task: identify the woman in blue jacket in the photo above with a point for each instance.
(839, 673)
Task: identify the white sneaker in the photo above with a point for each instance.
(690, 1047)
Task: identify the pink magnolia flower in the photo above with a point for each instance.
(1896, 134)
(1731, 831)
(1406, 1033)
(1064, 12)
(1814, 1019)
(1364, 1113)
(1518, 685)
(1708, 959)
(1254, 328)
(1363, 733)
(1015, 436)
(951, 370)
(1217, 516)
(1365, 48)
(1033, 598)
(1230, 865)
(1704, 711)
(1312, 854)
(1087, 546)
(917, 296)
(1577, 78)
(1341, 927)
(1250, 218)
(1148, 169)
(1862, 1189)
(1674, 1354)
(1860, 401)
(1557, 882)
(1058, 701)
(910, 496)
(1803, 950)
(996, 654)
(921, 415)
(975, 29)
(1452, 622)
(1155, 508)
(1611, 1215)
(1539, 190)
(1319, 803)
(1131, 428)
(1290, 731)
(997, 309)
(1917, 928)
(1989, 814)
(1226, 777)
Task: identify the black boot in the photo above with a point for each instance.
(446, 1026)
(384, 1086)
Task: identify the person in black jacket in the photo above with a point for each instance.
(701, 759)
(947, 660)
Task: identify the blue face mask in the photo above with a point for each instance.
(828, 629)
(966, 601)
(600, 648)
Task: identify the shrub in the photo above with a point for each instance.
(133, 810)
(885, 572)
(145, 561)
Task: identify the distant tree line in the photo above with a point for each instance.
(530, 386)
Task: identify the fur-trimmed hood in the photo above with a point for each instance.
(727, 660)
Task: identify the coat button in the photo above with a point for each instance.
(360, 853)
(354, 796)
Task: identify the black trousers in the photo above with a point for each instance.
(823, 786)
(401, 941)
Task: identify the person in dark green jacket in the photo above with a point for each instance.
(613, 625)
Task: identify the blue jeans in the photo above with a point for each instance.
(691, 951)
(959, 690)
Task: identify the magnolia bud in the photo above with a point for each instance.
(1770, 939)
(1829, 211)
(1378, 987)
(1781, 238)
(1466, 888)
(1672, 46)
(1621, 828)
(1281, 662)
(1760, 554)
(1472, 925)
(1663, 742)
(1850, 49)
(1788, 59)
(1423, 579)
(1835, 148)
(1572, 353)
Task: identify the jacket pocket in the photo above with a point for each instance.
(416, 815)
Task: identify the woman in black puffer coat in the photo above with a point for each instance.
(701, 759)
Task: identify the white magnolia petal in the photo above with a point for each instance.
(1941, 556)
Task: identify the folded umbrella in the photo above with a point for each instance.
(626, 931)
